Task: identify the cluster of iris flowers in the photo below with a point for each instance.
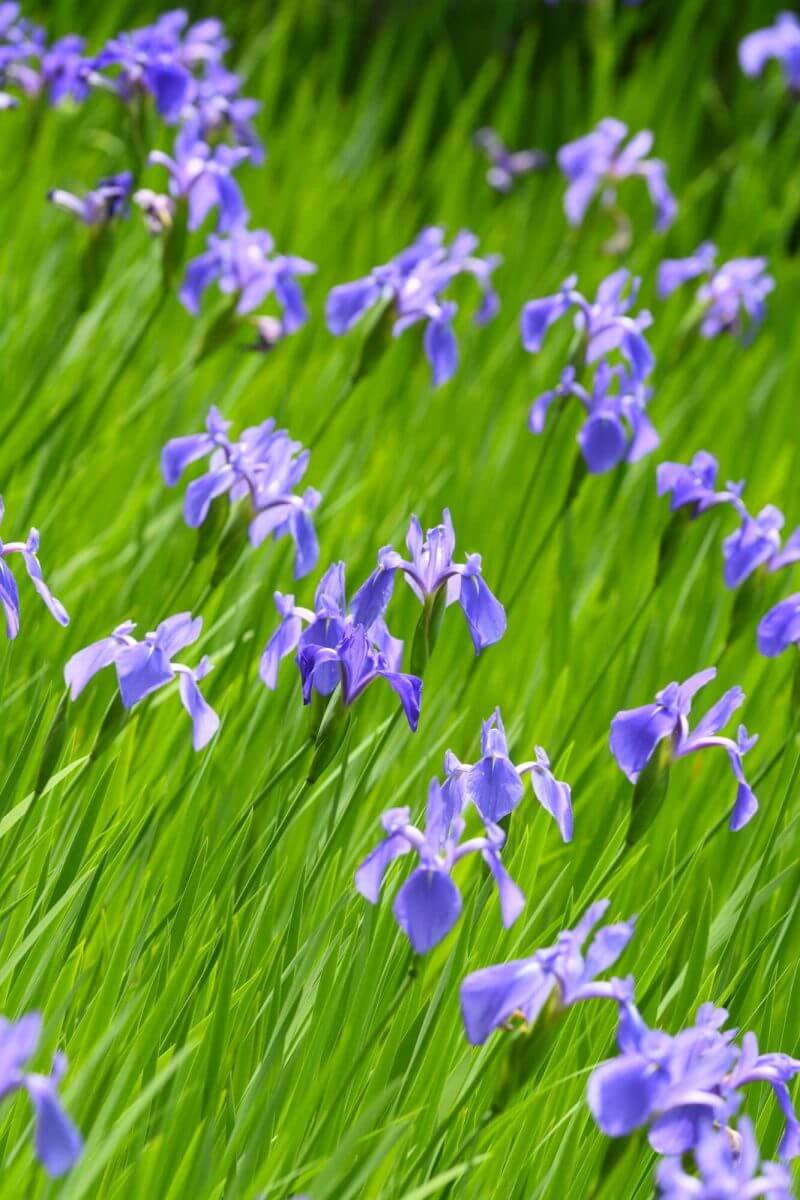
(685, 1089)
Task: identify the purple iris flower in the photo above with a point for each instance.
(144, 667)
(678, 1085)
(106, 202)
(65, 70)
(266, 465)
(431, 569)
(9, 595)
(414, 281)
(216, 108)
(203, 177)
(617, 426)
(21, 47)
(428, 904)
(780, 41)
(757, 543)
(695, 485)
(733, 296)
(160, 59)
(780, 627)
(243, 265)
(636, 732)
(348, 646)
(58, 1142)
(727, 1161)
(494, 784)
(560, 975)
(604, 325)
(599, 161)
(506, 167)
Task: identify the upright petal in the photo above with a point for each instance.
(494, 787)
(372, 598)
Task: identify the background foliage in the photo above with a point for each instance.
(238, 1020)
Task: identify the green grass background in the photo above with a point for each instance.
(239, 1022)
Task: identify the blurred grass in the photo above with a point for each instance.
(238, 1021)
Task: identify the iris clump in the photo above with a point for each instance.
(9, 593)
(637, 732)
(143, 667)
(733, 297)
(264, 466)
(728, 1165)
(616, 396)
(58, 1143)
(414, 283)
(428, 904)
(337, 645)
(598, 162)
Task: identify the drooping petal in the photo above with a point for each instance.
(538, 316)
(84, 665)
(555, 797)
(283, 642)
(490, 996)
(409, 689)
(780, 627)
(603, 442)
(621, 1094)
(486, 617)
(58, 1142)
(369, 876)
(494, 787)
(441, 350)
(635, 733)
(9, 598)
(427, 907)
(348, 302)
(141, 669)
(512, 898)
(202, 491)
(205, 721)
(179, 452)
(34, 569)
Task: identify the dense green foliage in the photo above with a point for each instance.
(238, 1020)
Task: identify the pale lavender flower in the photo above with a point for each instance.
(9, 595)
(494, 784)
(105, 202)
(58, 1143)
(733, 296)
(635, 734)
(560, 975)
(244, 265)
(428, 904)
(431, 569)
(604, 324)
(341, 645)
(599, 161)
(780, 627)
(264, 464)
(144, 667)
(506, 167)
(780, 41)
(414, 282)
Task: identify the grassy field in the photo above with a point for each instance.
(239, 1022)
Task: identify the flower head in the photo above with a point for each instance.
(58, 1142)
(733, 295)
(678, 1086)
(780, 627)
(561, 974)
(428, 904)
(506, 167)
(604, 324)
(780, 41)
(636, 732)
(264, 464)
(757, 543)
(144, 667)
(9, 595)
(494, 784)
(340, 645)
(599, 161)
(104, 203)
(243, 264)
(414, 282)
(430, 569)
(203, 177)
(695, 485)
(617, 427)
(727, 1162)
